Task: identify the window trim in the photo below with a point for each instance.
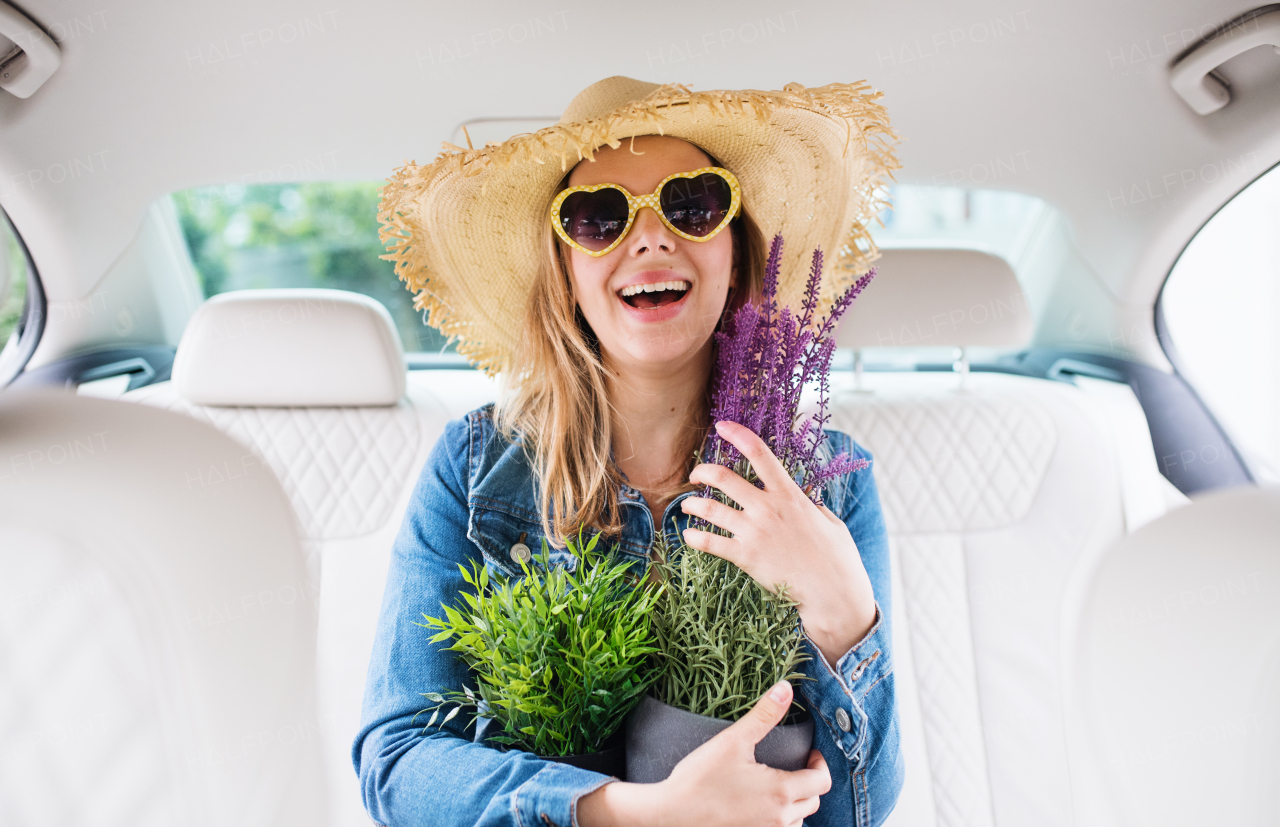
(35, 311)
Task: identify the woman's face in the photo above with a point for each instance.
(656, 328)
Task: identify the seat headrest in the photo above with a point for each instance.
(938, 296)
(290, 348)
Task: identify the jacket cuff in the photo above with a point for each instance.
(550, 797)
(837, 694)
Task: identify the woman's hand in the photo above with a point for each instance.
(719, 783)
(779, 537)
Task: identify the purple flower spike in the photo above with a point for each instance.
(763, 362)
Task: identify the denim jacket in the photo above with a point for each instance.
(476, 496)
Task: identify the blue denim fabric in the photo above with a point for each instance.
(474, 498)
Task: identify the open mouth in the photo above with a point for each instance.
(650, 296)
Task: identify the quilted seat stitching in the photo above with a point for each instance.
(342, 468)
(937, 608)
(951, 462)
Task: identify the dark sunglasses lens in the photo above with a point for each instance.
(594, 219)
(696, 206)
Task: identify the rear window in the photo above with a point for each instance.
(1023, 230)
(325, 234)
(306, 234)
(997, 221)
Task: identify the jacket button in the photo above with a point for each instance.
(520, 553)
(842, 720)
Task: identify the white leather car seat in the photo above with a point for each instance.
(155, 649)
(1173, 650)
(313, 383)
(995, 487)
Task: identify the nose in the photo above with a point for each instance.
(649, 234)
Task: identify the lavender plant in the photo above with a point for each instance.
(724, 639)
(764, 362)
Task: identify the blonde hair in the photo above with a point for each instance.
(556, 393)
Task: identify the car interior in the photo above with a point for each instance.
(217, 397)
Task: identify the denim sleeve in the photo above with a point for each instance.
(853, 700)
(439, 776)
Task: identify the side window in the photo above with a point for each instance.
(13, 281)
(304, 234)
(1221, 308)
(22, 306)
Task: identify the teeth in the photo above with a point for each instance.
(653, 288)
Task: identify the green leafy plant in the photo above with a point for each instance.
(560, 657)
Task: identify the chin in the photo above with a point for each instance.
(664, 353)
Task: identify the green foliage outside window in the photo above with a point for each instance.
(306, 234)
(13, 290)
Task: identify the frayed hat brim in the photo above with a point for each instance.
(463, 231)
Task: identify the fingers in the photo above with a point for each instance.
(800, 809)
(764, 716)
(813, 781)
(805, 784)
(726, 480)
(724, 547)
(803, 809)
(766, 465)
(716, 513)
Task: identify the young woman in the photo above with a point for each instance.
(606, 398)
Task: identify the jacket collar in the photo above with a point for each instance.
(503, 503)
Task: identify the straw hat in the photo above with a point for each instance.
(464, 230)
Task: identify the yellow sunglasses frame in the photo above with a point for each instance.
(637, 202)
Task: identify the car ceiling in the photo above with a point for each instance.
(1066, 101)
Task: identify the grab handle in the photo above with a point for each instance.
(1193, 75)
(28, 56)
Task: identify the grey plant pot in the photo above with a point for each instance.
(610, 760)
(659, 736)
(607, 762)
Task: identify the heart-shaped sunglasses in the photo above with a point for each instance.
(695, 205)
